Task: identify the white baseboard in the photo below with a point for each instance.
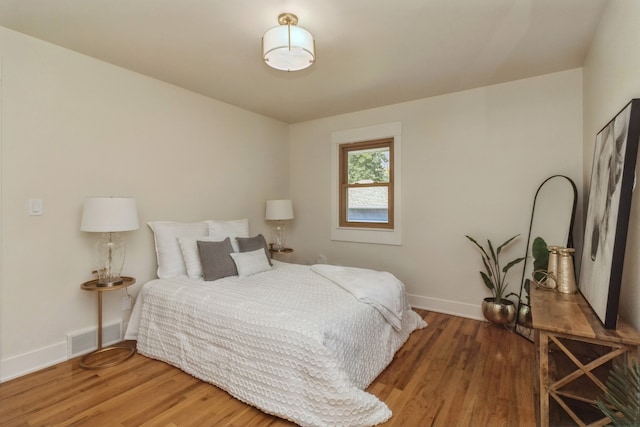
(23, 364)
(470, 311)
(26, 363)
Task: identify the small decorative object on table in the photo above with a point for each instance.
(559, 274)
(566, 274)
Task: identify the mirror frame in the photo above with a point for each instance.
(525, 331)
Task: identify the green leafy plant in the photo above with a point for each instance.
(494, 277)
(540, 254)
(368, 166)
(622, 397)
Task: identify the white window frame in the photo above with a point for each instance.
(367, 235)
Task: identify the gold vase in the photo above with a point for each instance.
(552, 268)
(566, 275)
(501, 313)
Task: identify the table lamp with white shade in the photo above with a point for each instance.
(110, 216)
(279, 211)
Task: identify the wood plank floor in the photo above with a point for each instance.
(455, 372)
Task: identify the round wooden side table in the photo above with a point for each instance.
(125, 350)
(273, 251)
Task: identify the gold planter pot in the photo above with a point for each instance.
(501, 313)
(524, 316)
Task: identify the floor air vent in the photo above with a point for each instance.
(83, 342)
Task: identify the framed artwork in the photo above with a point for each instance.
(605, 238)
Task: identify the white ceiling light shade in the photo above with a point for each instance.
(288, 47)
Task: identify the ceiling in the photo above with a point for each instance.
(369, 53)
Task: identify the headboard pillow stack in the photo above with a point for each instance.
(216, 231)
(203, 248)
(231, 229)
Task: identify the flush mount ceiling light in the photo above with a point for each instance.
(288, 47)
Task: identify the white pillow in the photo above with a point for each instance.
(231, 229)
(191, 255)
(168, 253)
(250, 263)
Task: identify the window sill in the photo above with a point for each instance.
(379, 236)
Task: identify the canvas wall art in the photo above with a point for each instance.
(612, 182)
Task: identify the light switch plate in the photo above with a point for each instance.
(36, 207)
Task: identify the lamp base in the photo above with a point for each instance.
(279, 235)
(110, 251)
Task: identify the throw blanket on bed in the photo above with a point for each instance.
(380, 289)
(287, 341)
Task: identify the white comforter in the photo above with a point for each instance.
(380, 289)
(287, 341)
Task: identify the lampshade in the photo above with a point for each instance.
(109, 214)
(288, 47)
(279, 210)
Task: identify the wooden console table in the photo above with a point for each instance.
(574, 354)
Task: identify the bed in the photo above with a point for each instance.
(290, 340)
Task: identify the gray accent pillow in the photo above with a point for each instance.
(216, 259)
(249, 244)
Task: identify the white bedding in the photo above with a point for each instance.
(287, 341)
(380, 289)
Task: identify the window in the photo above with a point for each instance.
(366, 184)
(371, 220)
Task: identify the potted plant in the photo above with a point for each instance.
(621, 401)
(497, 309)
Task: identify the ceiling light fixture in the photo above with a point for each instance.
(288, 47)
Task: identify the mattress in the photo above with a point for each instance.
(287, 341)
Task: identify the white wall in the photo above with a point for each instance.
(471, 163)
(74, 127)
(611, 79)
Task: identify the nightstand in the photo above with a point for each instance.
(125, 350)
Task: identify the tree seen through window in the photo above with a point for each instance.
(369, 166)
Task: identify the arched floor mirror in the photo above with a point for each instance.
(552, 216)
